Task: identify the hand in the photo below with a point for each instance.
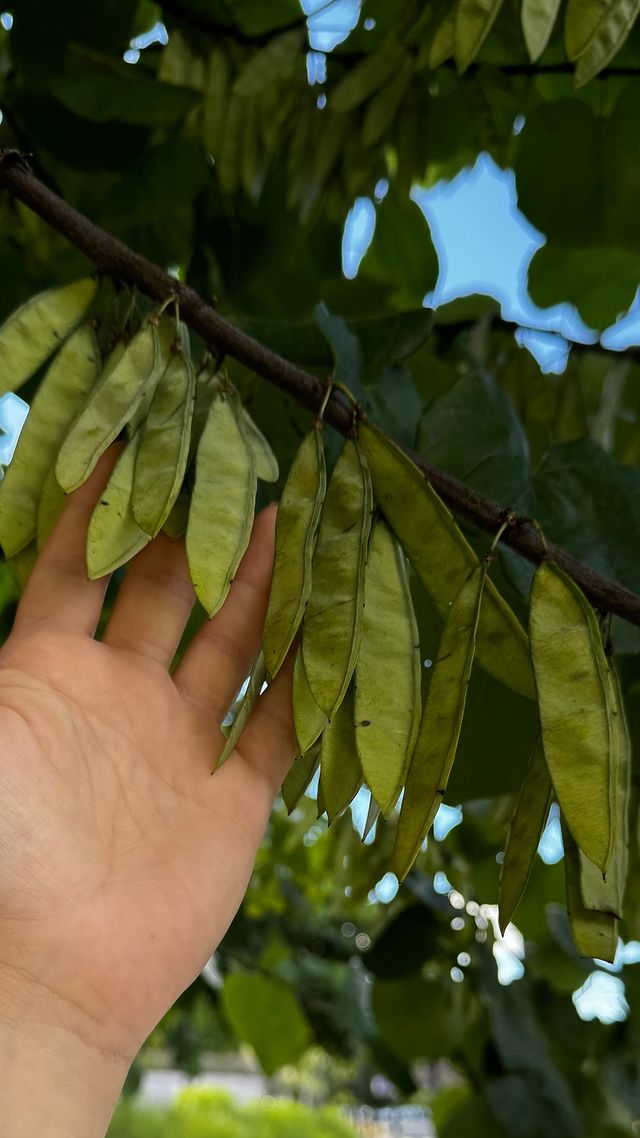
(122, 860)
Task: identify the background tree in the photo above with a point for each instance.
(214, 157)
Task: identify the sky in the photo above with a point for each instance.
(485, 245)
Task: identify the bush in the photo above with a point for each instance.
(200, 1112)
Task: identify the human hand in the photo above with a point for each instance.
(122, 861)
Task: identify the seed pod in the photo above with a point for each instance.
(340, 770)
(164, 448)
(606, 894)
(30, 335)
(308, 719)
(110, 405)
(373, 813)
(387, 684)
(594, 934)
(333, 621)
(299, 777)
(574, 699)
(69, 378)
(176, 524)
(257, 679)
(50, 508)
(222, 506)
(114, 536)
(527, 824)
(443, 558)
(265, 460)
(296, 533)
(441, 723)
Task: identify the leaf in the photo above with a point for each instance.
(474, 20)
(442, 557)
(437, 742)
(401, 254)
(384, 107)
(215, 100)
(345, 346)
(271, 64)
(525, 830)
(105, 98)
(538, 21)
(222, 506)
(367, 77)
(600, 281)
(340, 770)
(332, 626)
(418, 1018)
(31, 333)
(296, 536)
(387, 677)
(265, 1013)
(405, 943)
(114, 536)
(573, 696)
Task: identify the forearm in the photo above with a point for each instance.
(53, 1084)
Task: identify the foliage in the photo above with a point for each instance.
(200, 1113)
(212, 156)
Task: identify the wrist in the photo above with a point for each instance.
(55, 1080)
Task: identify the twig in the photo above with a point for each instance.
(112, 257)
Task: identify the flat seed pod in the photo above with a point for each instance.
(265, 460)
(110, 406)
(538, 21)
(114, 536)
(222, 506)
(176, 524)
(441, 723)
(340, 770)
(63, 391)
(373, 813)
(573, 695)
(164, 448)
(606, 894)
(594, 934)
(50, 507)
(387, 683)
(443, 558)
(332, 626)
(257, 678)
(616, 19)
(527, 824)
(30, 335)
(296, 533)
(299, 777)
(309, 720)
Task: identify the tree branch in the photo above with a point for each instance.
(113, 258)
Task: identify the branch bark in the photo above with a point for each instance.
(115, 259)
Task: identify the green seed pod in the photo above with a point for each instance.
(222, 506)
(443, 558)
(266, 463)
(257, 679)
(340, 770)
(387, 684)
(296, 533)
(33, 332)
(574, 699)
(114, 537)
(299, 777)
(435, 750)
(594, 934)
(69, 379)
(308, 719)
(332, 626)
(527, 824)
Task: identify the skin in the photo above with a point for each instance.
(122, 861)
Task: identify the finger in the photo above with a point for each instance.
(221, 654)
(154, 603)
(267, 748)
(59, 590)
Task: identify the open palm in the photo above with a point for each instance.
(122, 861)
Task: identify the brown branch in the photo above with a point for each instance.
(112, 257)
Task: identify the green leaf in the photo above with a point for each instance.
(600, 281)
(538, 21)
(265, 1013)
(474, 21)
(272, 64)
(405, 943)
(143, 102)
(418, 1018)
(402, 254)
(368, 76)
(345, 346)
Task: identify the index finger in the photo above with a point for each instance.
(59, 590)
